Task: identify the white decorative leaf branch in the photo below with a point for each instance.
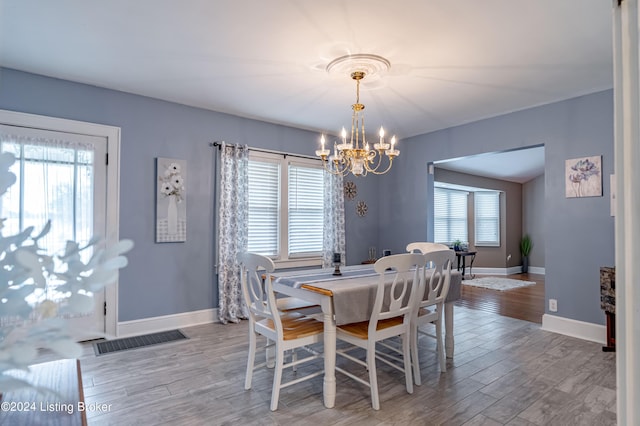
(25, 271)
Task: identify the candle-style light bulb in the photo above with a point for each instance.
(393, 141)
(322, 142)
(344, 135)
(381, 134)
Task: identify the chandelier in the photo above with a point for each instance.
(354, 155)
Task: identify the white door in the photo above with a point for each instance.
(59, 177)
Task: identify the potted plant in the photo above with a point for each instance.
(525, 249)
(457, 245)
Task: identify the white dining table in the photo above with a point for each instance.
(341, 299)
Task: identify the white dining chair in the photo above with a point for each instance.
(390, 317)
(287, 330)
(430, 307)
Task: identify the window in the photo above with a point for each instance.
(286, 208)
(264, 207)
(450, 215)
(487, 218)
(306, 210)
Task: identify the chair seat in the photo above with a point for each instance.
(361, 329)
(295, 326)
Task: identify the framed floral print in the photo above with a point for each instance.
(171, 200)
(583, 177)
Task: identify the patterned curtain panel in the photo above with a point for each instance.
(233, 229)
(334, 236)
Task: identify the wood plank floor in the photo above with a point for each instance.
(505, 371)
(526, 303)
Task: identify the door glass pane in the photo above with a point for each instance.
(54, 181)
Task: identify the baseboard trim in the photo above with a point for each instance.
(167, 322)
(489, 271)
(506, 271)
(537, 270)
(579, 329)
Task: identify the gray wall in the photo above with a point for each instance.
(579, 232)
(164, 279)
(170, 278)
(533, 219)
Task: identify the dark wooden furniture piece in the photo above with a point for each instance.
(463, 255)
(28, 407)
(608, 304)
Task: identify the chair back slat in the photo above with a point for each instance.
(437, 278)
(398, 298)
(258, 292)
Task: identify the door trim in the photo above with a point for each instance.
(112, 219)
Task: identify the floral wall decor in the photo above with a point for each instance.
(361, 208)
(171, 200)
(583, 177)
(350, 190)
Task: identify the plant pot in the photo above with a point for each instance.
(525, 264)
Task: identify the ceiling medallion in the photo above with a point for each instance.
(355, 156)
(371, 65)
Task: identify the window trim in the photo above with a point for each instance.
(282, 259)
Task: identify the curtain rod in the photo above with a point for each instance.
(218, 144)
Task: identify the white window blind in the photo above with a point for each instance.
(264, 202)
(450, 215)
(487, 218)
(306, 216)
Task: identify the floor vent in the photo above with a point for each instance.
(127, 343)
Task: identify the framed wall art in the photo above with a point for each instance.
(171, 200)
(583, 177)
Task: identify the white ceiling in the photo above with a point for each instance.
(452, 62)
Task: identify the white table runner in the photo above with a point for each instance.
(354, 292)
